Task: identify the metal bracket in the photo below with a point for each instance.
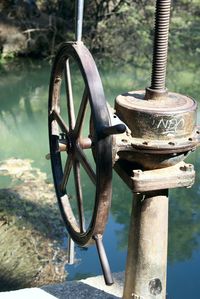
(179, 175)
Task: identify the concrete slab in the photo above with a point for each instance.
(90, 288)
(31, 293)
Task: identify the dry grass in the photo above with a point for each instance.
(31, 230)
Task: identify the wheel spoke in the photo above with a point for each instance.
(55, 116)
(68, 211)
(81, 113)
(85, 163)
(70, 102)
(77, 180)
(67, 169)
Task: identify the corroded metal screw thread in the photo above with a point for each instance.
(160, 44)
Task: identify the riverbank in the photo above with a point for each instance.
(36, 28)
(30, 30)
(31, 230)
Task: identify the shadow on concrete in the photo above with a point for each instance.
(77, 290)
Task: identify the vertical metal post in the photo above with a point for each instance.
(145, 276)
(70, 249)
(79, 19)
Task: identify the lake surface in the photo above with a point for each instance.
(23, 131)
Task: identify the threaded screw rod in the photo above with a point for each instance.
(160, 49)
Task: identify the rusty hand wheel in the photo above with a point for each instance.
(67, 138)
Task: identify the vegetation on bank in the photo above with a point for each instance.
(121, 30)
(31, 243)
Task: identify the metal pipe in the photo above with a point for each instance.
(145, 276)
(79, 19)
(103, 260)
(70, 249)
(160, 49)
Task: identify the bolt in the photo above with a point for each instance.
(171, 143)
(116, 158)
(187, 167)
(137, 173)
(62, 135)
(124, 140)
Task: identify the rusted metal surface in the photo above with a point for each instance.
(66, 138)
(173, 117)
(152, 154)
(162, 18)
(179, 175)
(161, 131)
(68, 143)
(84, 143)
(103, 259)
(145, 276)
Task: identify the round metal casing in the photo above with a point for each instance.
(162, 125)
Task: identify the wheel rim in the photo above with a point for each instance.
(69, 137)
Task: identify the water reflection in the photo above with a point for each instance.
(23, 110)
(23, 123)
(184, 221)
(184, 216)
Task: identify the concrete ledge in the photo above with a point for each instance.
(90, 288)
(31, 293)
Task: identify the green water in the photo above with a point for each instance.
(23, 133)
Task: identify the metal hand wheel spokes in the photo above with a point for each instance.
(72, 143)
